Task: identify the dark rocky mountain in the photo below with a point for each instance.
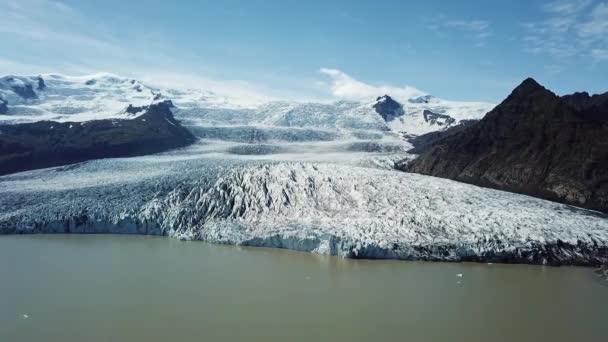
(388, 108)
(534, 143)
(46, 143)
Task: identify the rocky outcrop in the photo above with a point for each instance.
(388, 108)
(3, 106)
(47, 143)
(534, 143)
(41, 84)
(437, 118)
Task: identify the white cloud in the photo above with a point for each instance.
(238, 91)
(344, 86)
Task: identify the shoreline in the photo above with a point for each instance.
(554, 255)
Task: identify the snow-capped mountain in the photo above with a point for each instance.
(93, 97)
(388, 108)
(427, 114)
(67, 98)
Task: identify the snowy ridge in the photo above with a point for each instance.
(104, 96)
(324, 208)
(414, 122)
(68, 98)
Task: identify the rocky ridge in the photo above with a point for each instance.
(534, 143)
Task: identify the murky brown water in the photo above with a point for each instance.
(134, 288)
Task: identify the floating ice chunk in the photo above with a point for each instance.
(25, 316)
(459, 275)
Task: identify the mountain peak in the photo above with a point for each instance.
(529, 88)
(384, 97)
(388, 108)
(529, 85)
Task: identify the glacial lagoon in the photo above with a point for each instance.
(143, 288)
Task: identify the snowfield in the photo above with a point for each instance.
(306, 176)
(106, 96)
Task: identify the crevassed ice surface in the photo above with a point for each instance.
(323, 207)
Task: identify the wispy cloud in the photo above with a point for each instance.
(474, 25)
(39, 27)
(344, 86)
(477, 30)
(566, 7)
(600, 54)
(596, 26)
(571, 28)
(50, 22)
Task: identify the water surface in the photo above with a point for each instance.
(139, 288)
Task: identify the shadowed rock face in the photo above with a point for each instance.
(534, 143)
(388, 108)
(592, 107)
(47, 143)
(423, 142)
(3, 106)
(26, 91)
(41, 84)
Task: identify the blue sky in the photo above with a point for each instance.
(462, 50)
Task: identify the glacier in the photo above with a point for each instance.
(315, 177)
(349, 210)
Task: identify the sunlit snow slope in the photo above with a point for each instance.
(83, 98)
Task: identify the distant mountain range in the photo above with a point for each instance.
(37, 114)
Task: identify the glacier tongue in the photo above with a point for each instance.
(320, 207)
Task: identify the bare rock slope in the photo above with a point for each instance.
(533, 143)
